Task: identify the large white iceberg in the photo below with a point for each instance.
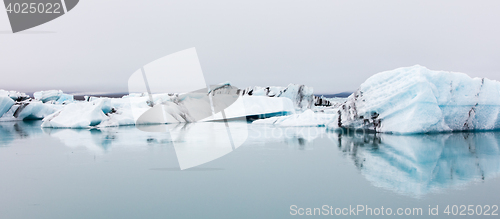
(418, 100)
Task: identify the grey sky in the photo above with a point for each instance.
(332, 46)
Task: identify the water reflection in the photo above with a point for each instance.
(295, 137)
(9, 131)
(420, 164)
(194, 143)
(413, 165)
(104, 140)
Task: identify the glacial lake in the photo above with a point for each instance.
(239, 170)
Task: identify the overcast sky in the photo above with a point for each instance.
(332, 46)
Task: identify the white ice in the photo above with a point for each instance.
(54, 96)
(79, 115)
(405, 100)
(418, 100)
(127, 111)
(300, 95)
(29, 110)
(14, 95)
(5, 103)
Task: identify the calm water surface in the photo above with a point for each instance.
(130, 172)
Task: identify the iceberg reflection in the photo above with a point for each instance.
(194, 143)
(9, 131)
(100, 141)
(199, 143)
(416, 165)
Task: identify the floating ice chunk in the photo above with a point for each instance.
(168, 108)
(196, 106)
(301, 96)
(29, 110)
(307, 118)
(418, 100)
(255, 106)
(17, 106)
(46, 96)
(36, 110)
(14, 95)
(5, 103)
(123, 116)
(79, 115)
(65, 98)
(53, 96)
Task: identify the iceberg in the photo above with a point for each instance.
(19, 106)
(48, 95)
(14, 95)
(115, 118)
(5, 103)
(418, 100)
(220, 103)
(79, 115)
(55, 96)
(65, 98)
(261, 107)
(29, 110)
(181, 72)
(133, 110)
(405, 101)
(301, 96)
